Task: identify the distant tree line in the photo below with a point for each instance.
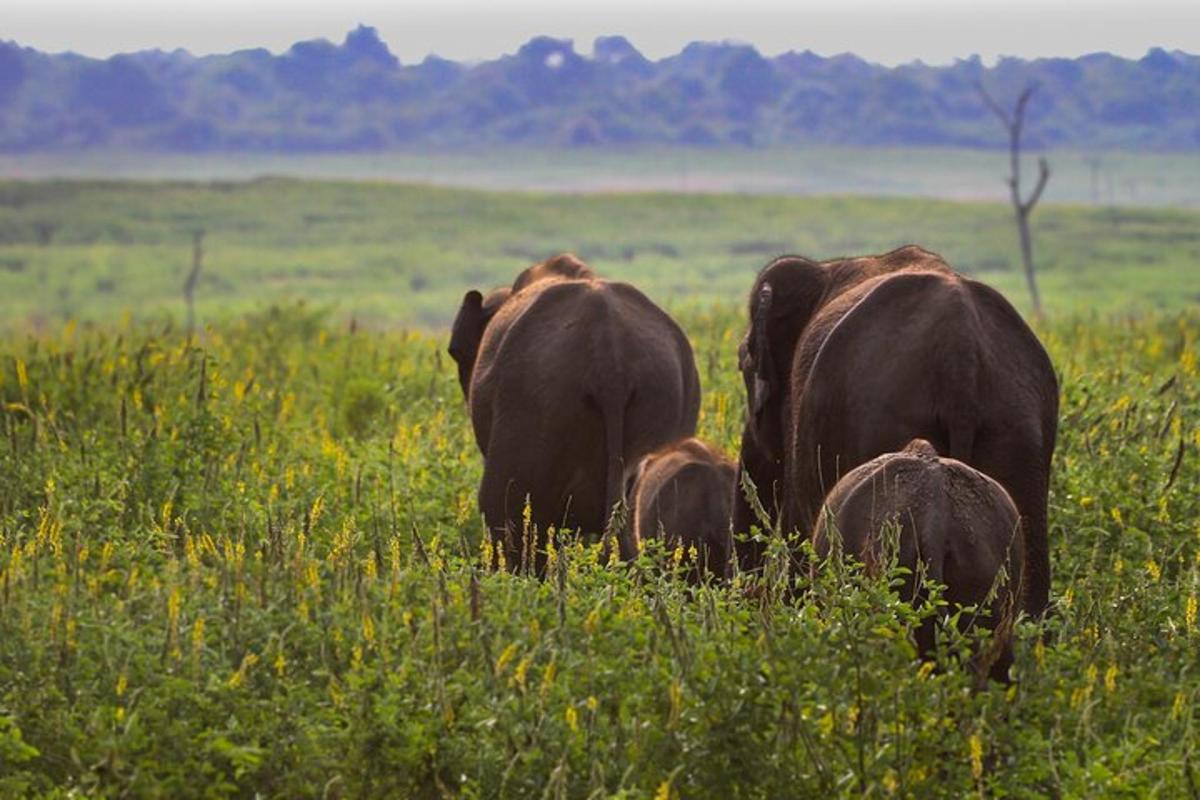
(357, 96)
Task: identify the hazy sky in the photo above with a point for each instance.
(935, 31)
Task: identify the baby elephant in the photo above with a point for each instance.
(684, 491)
(959, 523)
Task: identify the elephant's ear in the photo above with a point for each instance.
(785, 296)
(766, 378)
(468, 326)
(466, 335)
(473, 317)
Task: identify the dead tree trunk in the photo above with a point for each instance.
(189, 286)
(1021, 208)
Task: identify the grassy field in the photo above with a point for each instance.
(1093, 178)
(251, 566)
(403, 255)
(250, 563)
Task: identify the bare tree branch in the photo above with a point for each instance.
(1043, 176)
(1014, 123)
(995, 107)
(1022, 101)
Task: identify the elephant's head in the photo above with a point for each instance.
(473, 317)
(564, 265)
(785, 296)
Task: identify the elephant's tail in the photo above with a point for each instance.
(928, 558)
(612, 411)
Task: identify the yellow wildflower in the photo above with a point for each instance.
(197, 636)
(976, 747)
(314, 514)
(518, 677)
(889, 782)
(239, 677)
(505, 657)
(174, 601)
(675, 694)
(548, 678)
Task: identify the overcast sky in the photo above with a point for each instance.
(934, 31)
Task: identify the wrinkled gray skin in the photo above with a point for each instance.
(683, 493)
(957, 523)
(570, 380)
(847, 359)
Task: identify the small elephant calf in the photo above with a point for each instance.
(684, 492)
(961, 526)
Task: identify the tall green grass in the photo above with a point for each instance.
(251, 565)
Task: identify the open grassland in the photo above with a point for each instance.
(1095, 178)
(249, 565)
(403, 255)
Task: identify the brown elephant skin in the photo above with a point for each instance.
(848, 359)
(956, 526)
(683, 493)
(570, 380)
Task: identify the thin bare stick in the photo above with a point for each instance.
(189, 286)
(1022, 208)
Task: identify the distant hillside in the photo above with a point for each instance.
(357, 96)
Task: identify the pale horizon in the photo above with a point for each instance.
(933, 31)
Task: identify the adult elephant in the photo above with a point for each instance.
(570, 380)
(847, 359)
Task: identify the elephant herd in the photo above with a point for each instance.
(882, 392)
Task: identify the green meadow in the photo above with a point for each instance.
(402, 255)
(249, 563)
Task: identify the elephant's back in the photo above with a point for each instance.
(896, 358)
(960, 521)
(587, 332)
(876, 311)
(1015, 359)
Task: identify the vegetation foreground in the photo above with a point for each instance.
(252, 564)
